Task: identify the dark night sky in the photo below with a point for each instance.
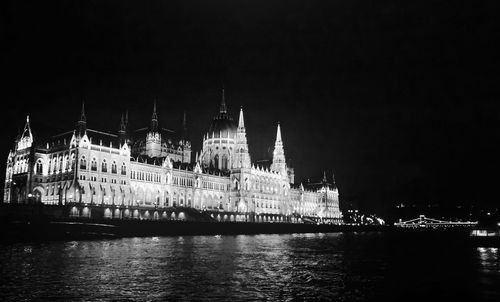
(398, 98)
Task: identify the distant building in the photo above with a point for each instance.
(153, 168)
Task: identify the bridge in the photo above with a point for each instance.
(424, 222)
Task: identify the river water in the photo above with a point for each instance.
(325, 267)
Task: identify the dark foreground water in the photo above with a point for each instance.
(333, 267)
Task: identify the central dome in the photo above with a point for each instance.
(222, 126)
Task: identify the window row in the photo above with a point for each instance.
(145, 176)
(103, 179)
(267, 206)
(104, 166)
(181, 181)
(21, 166)
(56, 164)
(214, 186)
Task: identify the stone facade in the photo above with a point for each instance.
(88, 167)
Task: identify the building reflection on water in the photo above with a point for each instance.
(360, 267)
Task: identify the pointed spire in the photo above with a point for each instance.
(223, 107)
(184, 128)
(242, 157)
(27, 127)
(333, 180)
(184, 121)
(25, 140)
(122, 124)
(126, 117)
(279, 161)
(154, 110)
(278, 133)
(122, 133)
(83, 118)
(154, 118)
(324, 177)
(82, 123)
(241, 121)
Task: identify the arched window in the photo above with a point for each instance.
(83, 163)
(54, 164)
(71, 162)
(216, 162)
(93, 165)
(113, 167)
(66, 162)
(224, 162)
(124, 169)
(104, 166)
(39, 167)
(48, 166)
(38, 195)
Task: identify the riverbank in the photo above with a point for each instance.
(41, 223)
(75, 221)
(72, 229)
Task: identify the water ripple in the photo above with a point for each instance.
(340, 267)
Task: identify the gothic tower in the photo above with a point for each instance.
(242, 156)
(122, 133)
(185, 142)
(153, 139)
(279, 162)
(19, 168)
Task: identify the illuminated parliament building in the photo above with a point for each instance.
(150, 173)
